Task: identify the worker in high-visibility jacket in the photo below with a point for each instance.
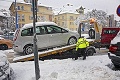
(81, 46)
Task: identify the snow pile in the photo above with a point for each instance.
(93, 68)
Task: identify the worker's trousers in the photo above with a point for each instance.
(81, 52)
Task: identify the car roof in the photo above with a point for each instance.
(29, 25)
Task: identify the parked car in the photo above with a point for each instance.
(114, 59)
(49, 34)
(6, 72)
(9, 35)
(114, 49)
(5, 44)
(115, 45)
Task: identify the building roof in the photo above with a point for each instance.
(1, 14)
(65, 12)
(23, 2)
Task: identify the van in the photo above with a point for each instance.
(107, 35)
(48, 34)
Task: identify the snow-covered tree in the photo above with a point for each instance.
(99, 15)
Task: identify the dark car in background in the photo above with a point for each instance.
(9, 35)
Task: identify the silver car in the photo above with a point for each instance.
(49, 34)
(6, 72)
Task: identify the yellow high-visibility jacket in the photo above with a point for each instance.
(82, 43)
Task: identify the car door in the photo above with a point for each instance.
(42, 37)
(57, 37)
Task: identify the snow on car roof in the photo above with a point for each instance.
(29, 25)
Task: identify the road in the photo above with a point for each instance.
(11, 54)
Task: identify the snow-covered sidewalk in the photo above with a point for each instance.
(93, 68)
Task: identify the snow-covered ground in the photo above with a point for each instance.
(97, 67)
(93, 68)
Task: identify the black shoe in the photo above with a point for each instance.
(84, 58)
(76, 58)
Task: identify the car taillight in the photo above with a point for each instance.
(113, 48)
(16, 35)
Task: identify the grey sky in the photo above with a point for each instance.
(108, 6)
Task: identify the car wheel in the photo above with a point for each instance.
(28, 49)
(90, 52)
(72, 40)
(3, 47)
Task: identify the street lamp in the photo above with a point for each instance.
(16, 16)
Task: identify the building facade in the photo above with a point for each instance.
(25, 14)
(66, 20)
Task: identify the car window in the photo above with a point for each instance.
(54, 29)
(40, 30)
(11, 34)
(110, 31)
(27, 32)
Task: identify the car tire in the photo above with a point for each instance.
(72, 40)
(90, 52)
(28, 49)
(3, 47)
(91, 33)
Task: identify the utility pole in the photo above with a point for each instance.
(37, 71)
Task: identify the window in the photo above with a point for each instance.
(30, 17)
(19, 17)
(31, 9)
(19, 25)
(55, 29)
(22, 7)
(71, 23)
(27, 32)
(110, 31)
(63, 23)
(18, 7)
(58, 24)
(42, 18)
(22, 17)
(62, 17)
(71, 17)
(40, 30)
(58, 18)
(28, 1)
(38, 17)
(37, 10)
